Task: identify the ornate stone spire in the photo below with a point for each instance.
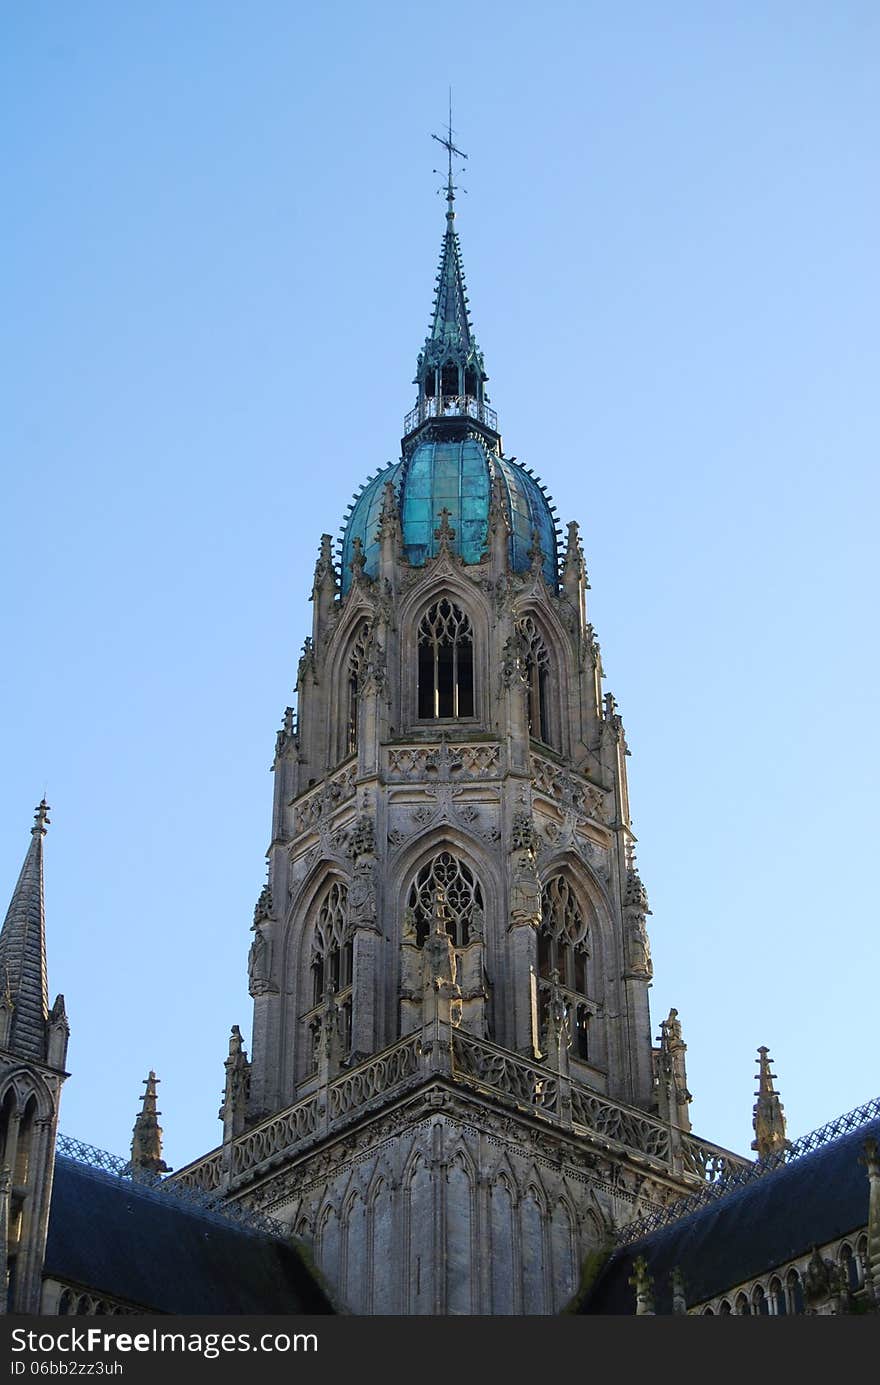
(146, 1139)
(24, 996)
(450, 367)
(768, 1117)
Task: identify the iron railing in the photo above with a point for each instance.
(450, 406)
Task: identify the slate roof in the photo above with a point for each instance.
(112, 1236)
(815, 1199)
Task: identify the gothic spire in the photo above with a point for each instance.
(450, 365)
(768, 1117)
(146, 1139)
(23, 985)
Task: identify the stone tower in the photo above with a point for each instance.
(452, 1094)
(33, 1049)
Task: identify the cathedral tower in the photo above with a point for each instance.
(452, 1094)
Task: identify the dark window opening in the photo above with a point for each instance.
(450, 379)
(448, 882)
(470, 383)
(445, 664)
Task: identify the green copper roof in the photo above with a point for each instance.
(455, 475)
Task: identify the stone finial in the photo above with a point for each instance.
(643, 1284)
(324, 569)
(146, 1140)
(389, 515)
(236, 1088)
(574, 569)
(358, 561)
(672, 1073)
(768, 1117)
(536, 554)
(263, 909)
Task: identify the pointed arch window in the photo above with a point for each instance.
(461, 892)
(564, 955)
(357, 662)
(446, 663)
(536, 662)
(331, 967)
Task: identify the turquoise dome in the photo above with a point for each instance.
(455, 474)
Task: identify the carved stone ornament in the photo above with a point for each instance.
(525, 892)
(362, 895)
(260, 963)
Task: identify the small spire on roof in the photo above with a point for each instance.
(768, 1116)
(146, 1140)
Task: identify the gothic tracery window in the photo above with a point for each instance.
(354, 677)
(537, 673)
(564, 951)
(462, 897)
(446, 663)
(332, 963)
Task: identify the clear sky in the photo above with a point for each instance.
(220, 237)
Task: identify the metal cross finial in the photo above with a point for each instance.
(41, 818)
(450, 150)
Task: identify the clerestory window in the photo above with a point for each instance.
(563, 958)
(446, 663)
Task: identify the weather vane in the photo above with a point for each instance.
(450, 150)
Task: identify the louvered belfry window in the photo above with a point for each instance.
(446, 663)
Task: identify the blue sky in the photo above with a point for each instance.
(220, 238)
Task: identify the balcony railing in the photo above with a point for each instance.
(450, 406)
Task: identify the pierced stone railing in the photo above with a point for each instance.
(569, 790)
(619, 1123)
(709, 1162)
(375, 1078)
(312, 808)
(206, 1176)
(494, 1067)
(444, 762)
(459, 1056)
(276, 1136)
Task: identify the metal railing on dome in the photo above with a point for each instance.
(731, 1182)
(450, 406)
(169, 1190)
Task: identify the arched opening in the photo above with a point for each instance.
(724, 1308)
(777, 1298)
(563, 959)
(331, 969)
(449, 379)
(470, 383)
(743, 1308)
(430, 384)
(462, 896)
(794, 1292)
(537, 675)
(445, 663)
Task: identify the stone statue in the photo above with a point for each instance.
(362, 895)
(525, 893)
(259, 963)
